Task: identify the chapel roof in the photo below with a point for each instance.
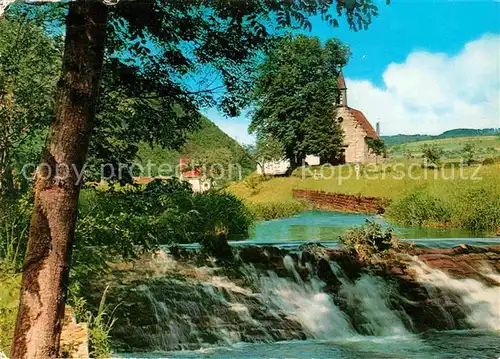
(341, 81)
(362, 120)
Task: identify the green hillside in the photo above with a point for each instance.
(459, 132)
(485, 146)
(208, 140)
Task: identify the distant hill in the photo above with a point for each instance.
(459, 132)
(209, 138)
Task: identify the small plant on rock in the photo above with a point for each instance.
(371, 243)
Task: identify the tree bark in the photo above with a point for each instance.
(52, 228)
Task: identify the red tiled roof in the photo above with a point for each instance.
(146, 180)
(191, 174)
(341, 81)
(360, 117)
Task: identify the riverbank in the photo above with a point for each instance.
(460, 197)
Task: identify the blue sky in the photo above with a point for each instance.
(422, 67)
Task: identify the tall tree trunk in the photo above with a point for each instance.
(52, 228)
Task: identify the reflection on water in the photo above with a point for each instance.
(328, 226)
(443, 345)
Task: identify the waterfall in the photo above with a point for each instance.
(305, 302)
(368, 297)
(482, 302)
(185, 306)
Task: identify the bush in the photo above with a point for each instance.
(419, 209)
(99, 325)
(433, 154)
(118, 225)
(491, 160)
(278, 209)
(370, 242)
(254, 181)
(191, 219)
(475, 209)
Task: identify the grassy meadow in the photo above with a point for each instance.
(485, 146)
(452, 195)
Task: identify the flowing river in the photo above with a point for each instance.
(363, 319)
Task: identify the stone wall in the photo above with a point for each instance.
(357, 150)
(74, 342)
(342, 202)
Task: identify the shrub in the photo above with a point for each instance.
(254, 181)
(469, 153)
(491, 160)
(123, 224)
(278, 209)
(432, 154)
(370, 242)
(475, 209)
(420, 209)
(191, 219)
(99, 325)
(377, 145)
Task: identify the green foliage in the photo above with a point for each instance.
(254, 181)
(455, 133)
(432, 154)
(124, 224)
(419, 208)
(190, 217)
(155, 50)
(99, 324)
(491, 160)
(29, 67)
(370, 241)
(10, 284)
(14, 224)
(469, 153)
(476, 209)
(267, 211)
(295, 95)
(206, 146)
(266, 149)
(377, 145)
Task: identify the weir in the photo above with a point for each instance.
(316, 294)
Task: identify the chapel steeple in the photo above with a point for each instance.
(342, 97)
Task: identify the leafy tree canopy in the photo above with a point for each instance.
(167, 59)
(295, 96)
(29, 68)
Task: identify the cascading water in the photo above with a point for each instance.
(482, 302)
(185, 306)
(316, 311)
(305, 302)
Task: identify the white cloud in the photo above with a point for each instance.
(435, 92)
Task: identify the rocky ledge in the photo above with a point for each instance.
(188, 299)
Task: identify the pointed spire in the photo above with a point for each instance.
(341, 81)
(342, 94)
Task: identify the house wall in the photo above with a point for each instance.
(198, 185)
(274, 167)
(357, 149)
